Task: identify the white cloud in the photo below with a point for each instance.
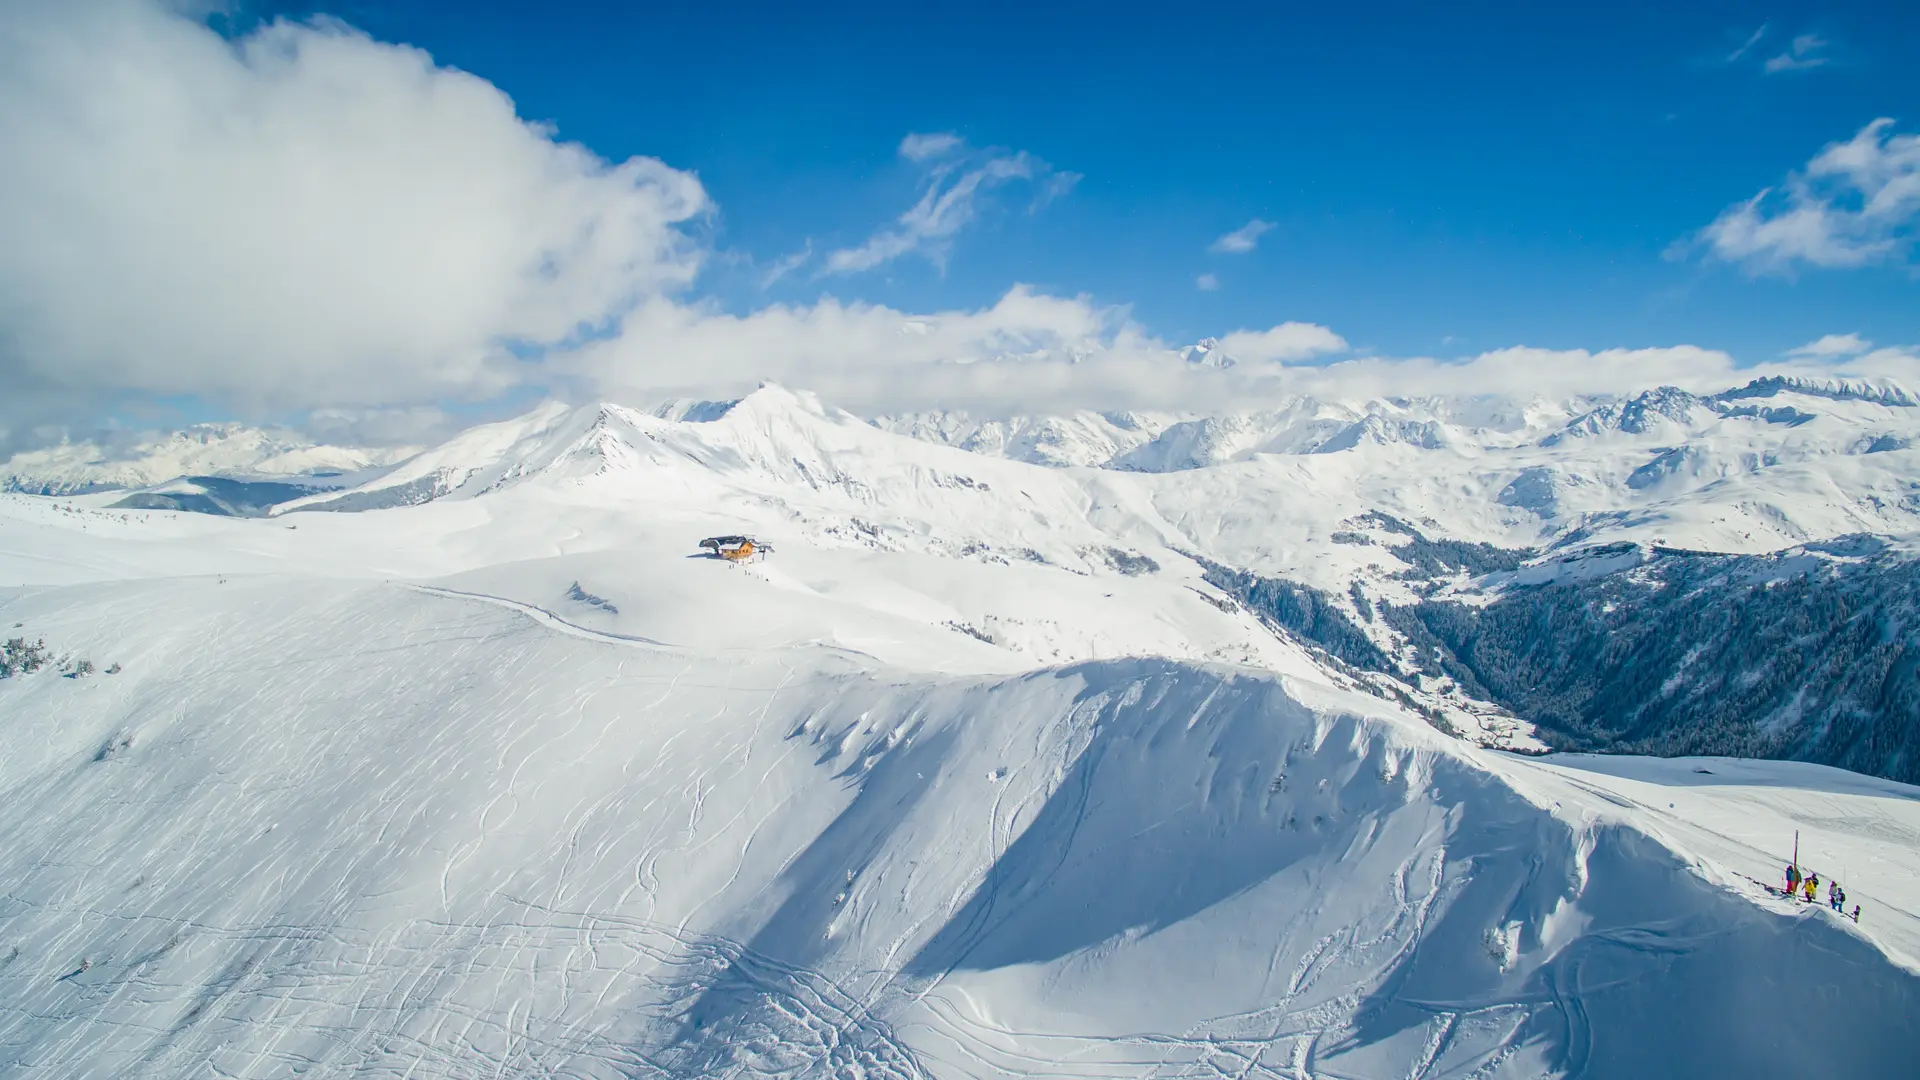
(1747, 46)
(302, 217)
(414, 425)
(1056, 185)
(1288, 341)
(1521, 372)
(830, 339)
(1241, 240)
(918, 147)
(1561, 373)
(1033, 353)
(1855, 203)
(1833, 345)
(308, 220)
(854, 354)
(786, 264)
(1206, 283)
(1802, 54)
(1898, 365)
(1028, 351)
(948, 203)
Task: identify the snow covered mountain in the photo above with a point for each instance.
(1083, 438)
(1759, 467)
(1373, 507)
(233, 451)
(479, 766)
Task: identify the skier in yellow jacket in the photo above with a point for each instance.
(1813, 887)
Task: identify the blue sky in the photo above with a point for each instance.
(389, 215)
(1438, 183)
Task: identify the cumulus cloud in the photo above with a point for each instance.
(1030, 352)
(301, 217)
(1033, 353)
(1833, 345)
(1855, 203)
(854, 353)
(1805, 52)
(1206, 283)
(1897, 365)
(1241, 240)
(1288, 341)
(949, 201)
(307, 220)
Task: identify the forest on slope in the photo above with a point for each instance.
(1797, 655)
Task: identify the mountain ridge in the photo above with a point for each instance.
(231, 450)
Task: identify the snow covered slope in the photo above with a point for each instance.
(372, 830)
(978, 776)
(780, 461)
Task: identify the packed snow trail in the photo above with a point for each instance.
(355, 829)
(540, 615)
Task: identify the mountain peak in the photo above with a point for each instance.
(1207, 353)
(1877, 391)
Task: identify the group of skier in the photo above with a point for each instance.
(1810, 885)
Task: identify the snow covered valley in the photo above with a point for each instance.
(980, 774)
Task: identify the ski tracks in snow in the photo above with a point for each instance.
(542, 616)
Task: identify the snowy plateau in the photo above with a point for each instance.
(1091, 745)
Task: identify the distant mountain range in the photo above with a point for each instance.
(232, 451)
(1496, 561)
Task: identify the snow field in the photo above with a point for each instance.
(499, 844)
(1736, 819)
(507, 784)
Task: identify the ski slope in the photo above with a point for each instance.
(505, 783)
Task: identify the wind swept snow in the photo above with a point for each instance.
(509, 780)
